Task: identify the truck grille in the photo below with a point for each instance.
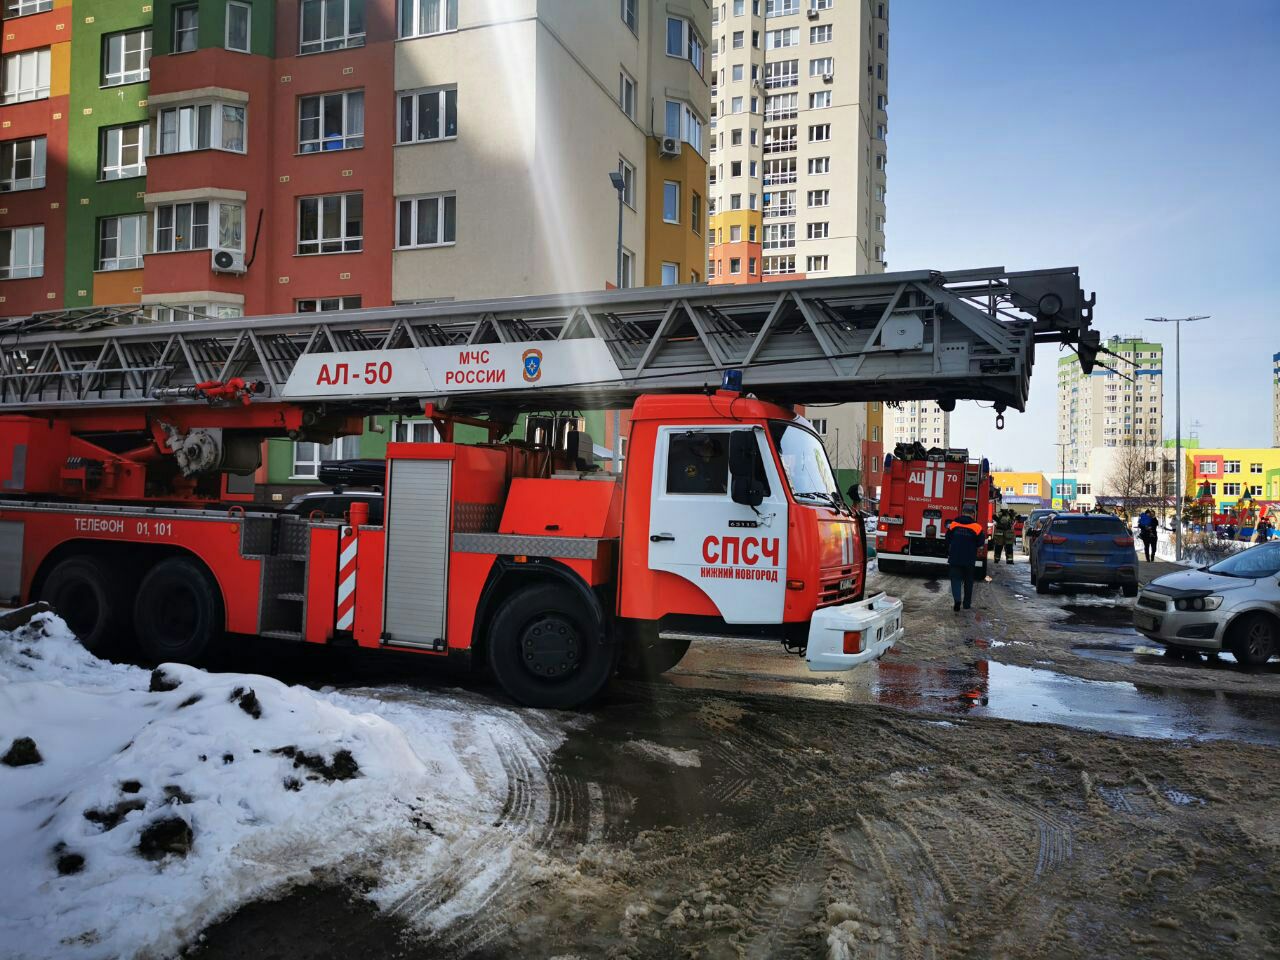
(927, 547)
(833, 589)
(1152, 603)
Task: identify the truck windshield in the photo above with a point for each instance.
(805, 461)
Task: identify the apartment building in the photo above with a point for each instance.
(923, 421)
(180, 159)
(798, 148)
(1117, 407)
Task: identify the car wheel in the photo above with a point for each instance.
(1129, 589)
(1253, 639)
(1042, 585)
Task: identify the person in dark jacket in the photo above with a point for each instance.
(964, 537)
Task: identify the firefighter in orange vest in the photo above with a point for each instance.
(965, 537)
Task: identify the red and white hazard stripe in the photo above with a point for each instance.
(347, 579)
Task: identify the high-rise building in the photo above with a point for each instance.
(923, 421)
(799, 92)
(1275, 399)
(1120, 405)
(185, 160)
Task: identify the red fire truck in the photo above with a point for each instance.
(120, 444)
(922, 492)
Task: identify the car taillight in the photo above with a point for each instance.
(1053, 538)
(1123, 541)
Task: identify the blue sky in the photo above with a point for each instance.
(1139, 141)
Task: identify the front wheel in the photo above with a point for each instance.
(1129, 589)
(1253, 639)
(546, 651)
(91, 595)
(1042, 585)
(177, 612)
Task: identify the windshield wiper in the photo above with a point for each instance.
(825, 497)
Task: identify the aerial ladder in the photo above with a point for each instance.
(116, 438)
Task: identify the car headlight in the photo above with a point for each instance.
(1198, 603)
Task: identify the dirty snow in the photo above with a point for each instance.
(672, 755)
(261, 820)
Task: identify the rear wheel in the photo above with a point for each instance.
(547, 651)
(890, 566)
(1042, 585)
(649, 659)
(93, 598)
(177, 611)
(1129, 589)
(1253, 639)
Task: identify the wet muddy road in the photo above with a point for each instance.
(742, 807)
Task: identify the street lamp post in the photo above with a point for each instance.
(1062, 475)
(619, 184)
(1177, 423)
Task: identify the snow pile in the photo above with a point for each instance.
(163, 801)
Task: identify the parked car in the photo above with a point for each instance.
(334, 504)
(1031, 528)
(1084, 548)
(1232, 605)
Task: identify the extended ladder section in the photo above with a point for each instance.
(902, 336)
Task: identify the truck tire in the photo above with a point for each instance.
(890, 567)
(655, 658)
(93, 598)
(1042, 585)
(1129, 589)
(546, 650)
(1253, 639)
(177, 613)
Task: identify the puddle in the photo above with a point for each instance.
(1110, 615)
(986, 688)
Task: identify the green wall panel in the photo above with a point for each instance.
(213, 25)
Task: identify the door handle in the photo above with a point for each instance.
(659, 537)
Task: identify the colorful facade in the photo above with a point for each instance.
(1022, 486)
(244, 157)
(1231, 473)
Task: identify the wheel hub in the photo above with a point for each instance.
(550, 647)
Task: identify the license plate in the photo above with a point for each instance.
(1145, 621)
(846, 584)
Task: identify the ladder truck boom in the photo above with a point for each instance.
(116, 438)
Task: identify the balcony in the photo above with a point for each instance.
(776, 179)
(780, 211)
(781, 83)
(785, 113)
(780, 146)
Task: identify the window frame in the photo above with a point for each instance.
(442, 113)
(348, 243)
(692, 47)
(348, 137)
(626, 93)
(143, 146)
(319, 302)
(32, 269)
(179, 33)
(415, 203)
(38, 150)
(631, 22)
(42, 59)
(627, 170)
(341, 446)
(248, 26)
(119, 262)
(215, 133)
(212, 225)
(25, 8)
(674, 274)
(446, 21)
(126, 77)
(326, 44)
(670, 204)
(822, 33)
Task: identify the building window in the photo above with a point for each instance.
(781, 74)
(429, 115)
(326, 304)
(331, 224)
(776, 266)
(182, 226)
(738, 39)
(695, 214)
(627, 94)
(682, 122)
(1255, 490)
(735, 265)
(819, 100)
(238, 17)
(735, 201)
(879, 192)
(777, 39)
(331, 121)
(879, 224)
(123, 152)
(22, 164)
(820, 34)
(22, 8)
(26, 76)
(186, 28)
(201, 126)
(1231, 489)
(125, 57)
(817, 231)
(414, 431)
(21, 252)
(683, 42)
(779, 235)
(819, 4)
(821, 66)
(421, 18)
(307, 457)
(670, 274)
(1255, 468)
(819, 165)
(819, 132)
(195, 311)
(629, 14)
(331, 25)
(430, 221)
(628, 172)
(670, 201)
(120, 242)
(1231, 466)
(819, 425)
(628, 268)
(781, 8)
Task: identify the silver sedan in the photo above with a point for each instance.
(1232, 605)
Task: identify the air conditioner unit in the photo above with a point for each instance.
(812, 14)
(228, 261)
(669, 147)
(828, 77)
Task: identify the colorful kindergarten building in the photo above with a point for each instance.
(1231, 473)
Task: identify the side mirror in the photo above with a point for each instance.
(855, 493)
(745, 486)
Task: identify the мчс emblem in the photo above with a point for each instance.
(532, 362)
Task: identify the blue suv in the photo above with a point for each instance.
(1085, 548)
